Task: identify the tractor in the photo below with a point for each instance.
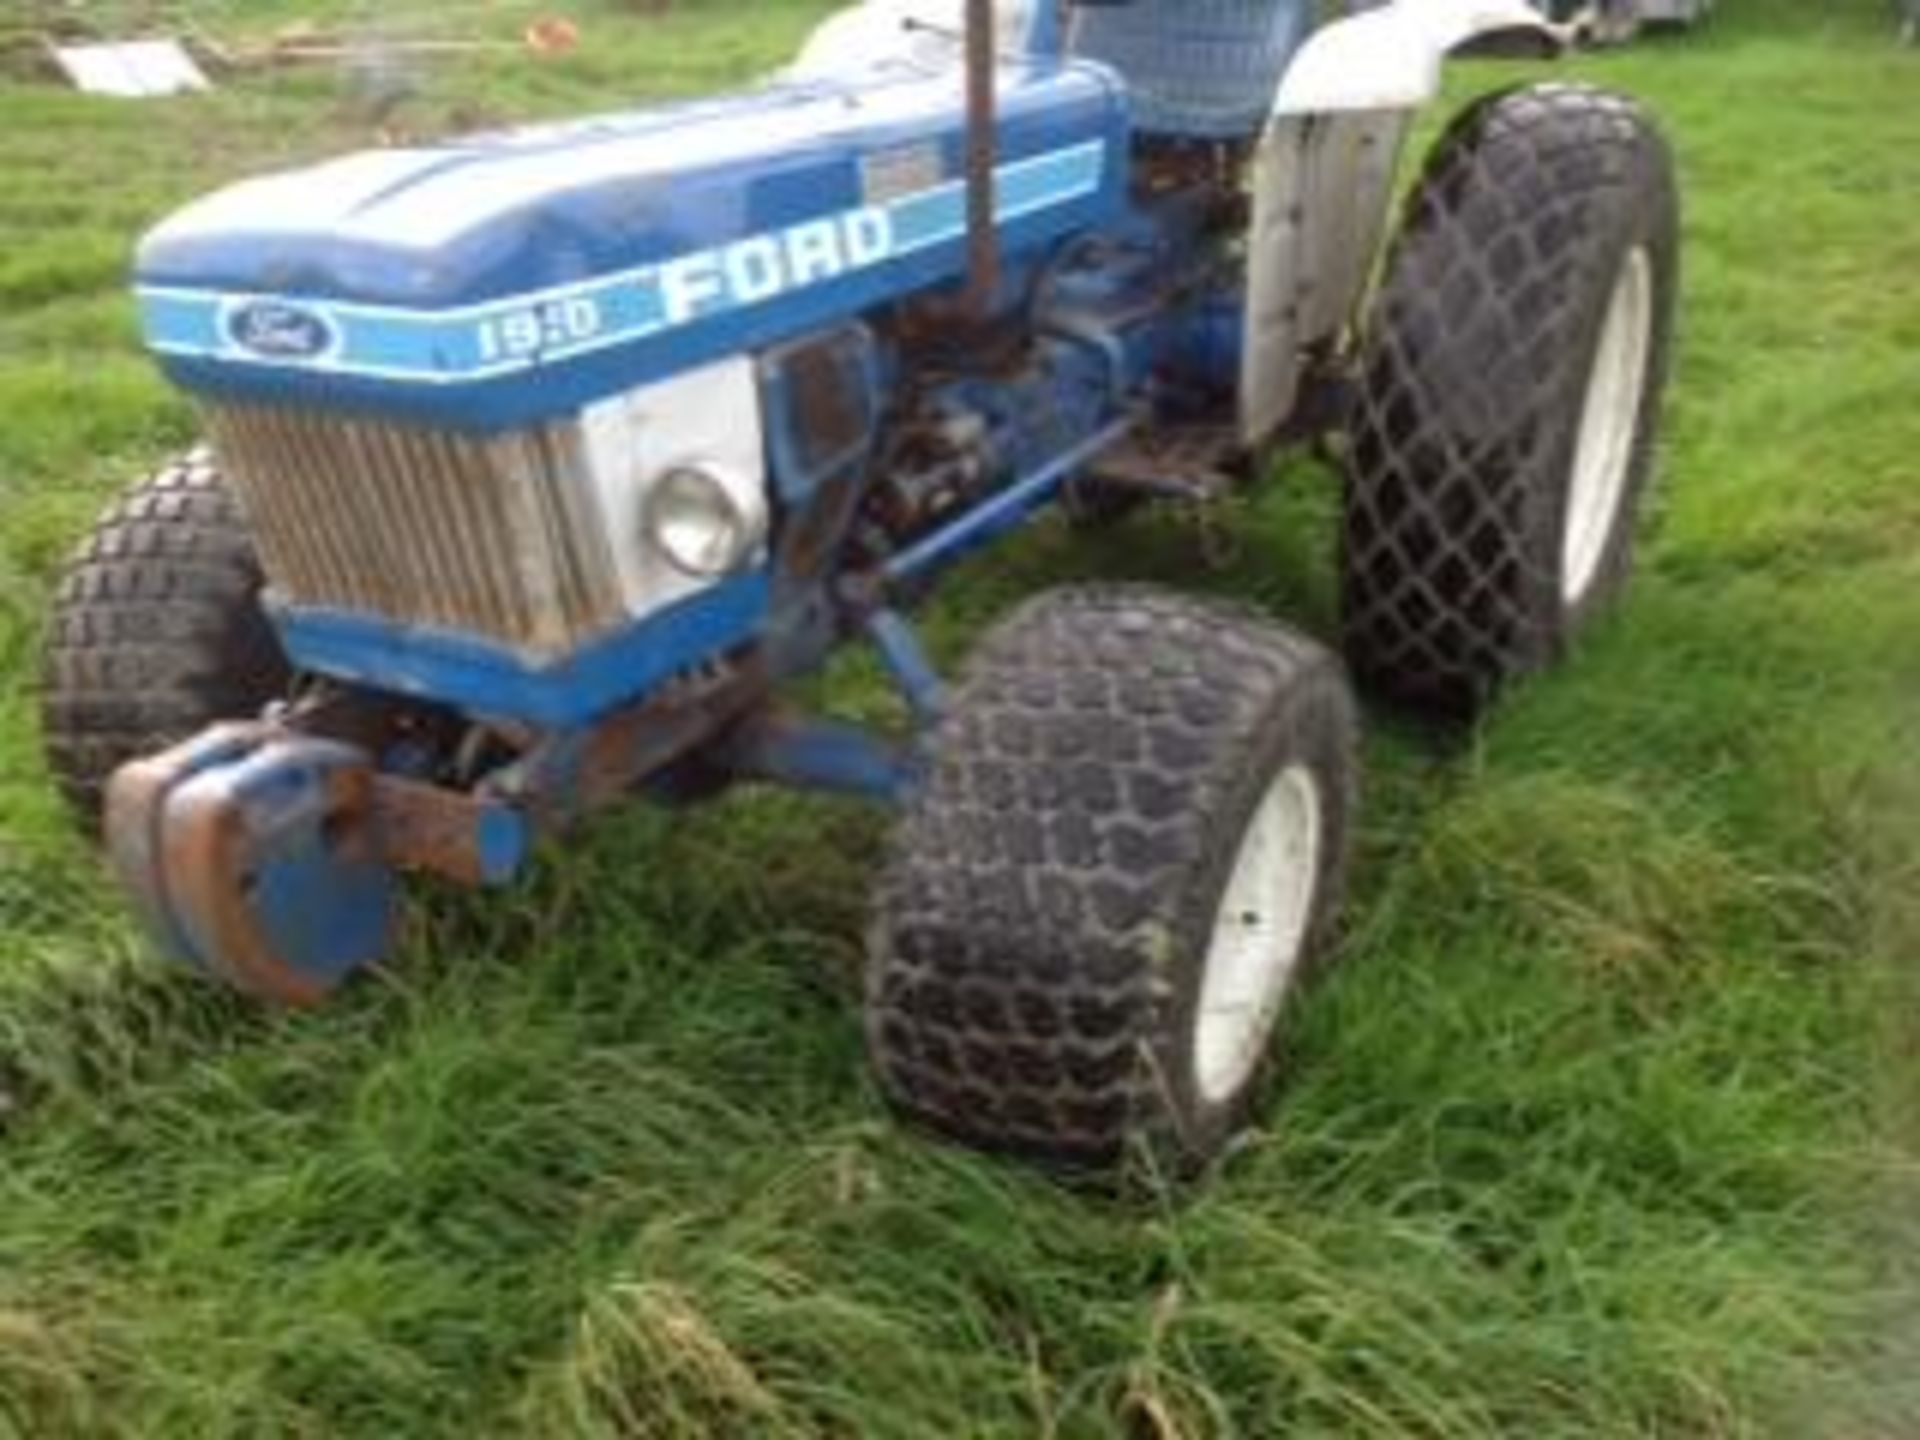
(539, 465)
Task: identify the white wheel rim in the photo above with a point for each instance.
(1259, 933)
(1609, 427)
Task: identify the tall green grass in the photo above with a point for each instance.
(1605, 1127)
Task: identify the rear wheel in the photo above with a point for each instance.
(1510, 396)
(1128, 854)
(157, 632)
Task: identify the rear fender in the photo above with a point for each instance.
(1323, 177)
(1391, 58)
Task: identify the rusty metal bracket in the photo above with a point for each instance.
(431, 830)
(571, 774)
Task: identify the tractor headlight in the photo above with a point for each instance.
(707, 522)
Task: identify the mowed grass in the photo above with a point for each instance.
(1605, 1126)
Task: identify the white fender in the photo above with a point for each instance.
(1390, 58)
(1323, 178)
(887, 34)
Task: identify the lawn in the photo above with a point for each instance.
(1607, 1124)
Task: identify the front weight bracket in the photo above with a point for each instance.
(258, 859)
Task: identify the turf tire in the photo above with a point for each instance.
(1474, 384)
(1044, 916)
(157, 631)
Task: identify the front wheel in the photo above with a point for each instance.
(1510, 395)
(1128, 854)
(158, 631)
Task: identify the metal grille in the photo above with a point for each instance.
(493, 536)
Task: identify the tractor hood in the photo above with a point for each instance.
(508, 278)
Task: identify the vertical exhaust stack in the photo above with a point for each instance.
(983, 144)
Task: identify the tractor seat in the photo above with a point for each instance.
(1197, 69)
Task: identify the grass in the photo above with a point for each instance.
(1605, 1127)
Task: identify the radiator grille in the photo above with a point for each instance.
(494, 536)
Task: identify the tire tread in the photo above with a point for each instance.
(156, 630)
(1025, 914)
(1474, 350)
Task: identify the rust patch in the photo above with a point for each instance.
(429, 830)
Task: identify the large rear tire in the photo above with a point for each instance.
(1510, 396)
(1130, 850)
(157, 631)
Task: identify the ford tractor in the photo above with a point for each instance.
(538, 465)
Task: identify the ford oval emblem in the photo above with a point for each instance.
(279, 330)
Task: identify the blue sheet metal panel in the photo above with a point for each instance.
(488, 680)
(516, 211)
(431, 367)
(1208, 69)
(499, 283)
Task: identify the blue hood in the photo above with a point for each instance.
(503, 279)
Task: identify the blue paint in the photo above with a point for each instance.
(504, 843)
(484, 679)
(830, 755)
(1207, 344)
(907, 662)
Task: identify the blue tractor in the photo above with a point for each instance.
(538, 464)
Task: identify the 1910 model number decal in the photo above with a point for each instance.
(558, 326)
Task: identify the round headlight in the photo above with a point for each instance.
(704, 526)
